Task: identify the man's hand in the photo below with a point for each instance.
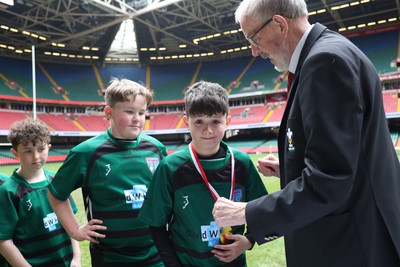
(228, 213)
(269, 166)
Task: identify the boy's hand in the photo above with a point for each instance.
(228, 253)
(89, 231)
(75, 263)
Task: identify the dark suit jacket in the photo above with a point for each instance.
(340, 176)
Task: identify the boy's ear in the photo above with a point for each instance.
(49, 146)
(228, 120)
(14, 152)
(185, 119)
(107, 111)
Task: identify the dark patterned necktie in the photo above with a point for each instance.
(289, 81)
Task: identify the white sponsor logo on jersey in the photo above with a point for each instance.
(50, 221)
(136, 196)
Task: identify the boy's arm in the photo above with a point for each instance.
(12, 254)
(64, 213)
(164, 246)
(76, 257)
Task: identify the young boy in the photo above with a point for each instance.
(114, 171)
(30, 234)
(3, 177)
(3, 262)
(187, 184)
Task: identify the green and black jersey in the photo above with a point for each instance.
(3, 177)
(179, 197)
(114, 176)
(30, 222)
(3, 262)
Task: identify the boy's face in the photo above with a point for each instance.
(32, 157)
(207, 132)
(127, 118)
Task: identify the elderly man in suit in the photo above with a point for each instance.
(340, 177)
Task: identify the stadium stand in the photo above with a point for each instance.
(20, 71)
(9, 117)
(380, 48)
(85, 82)
(249, 114)
(390, 99)
(93, 123)
(224, 72)
(59, 122)
(276, 113)
(130, 72)
(169, 81)
(78, 82)
(260, 70)
(160, 121)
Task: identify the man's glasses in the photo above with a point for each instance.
(251, 38)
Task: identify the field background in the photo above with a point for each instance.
(268, 255)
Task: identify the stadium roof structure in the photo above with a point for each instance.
(169, 31)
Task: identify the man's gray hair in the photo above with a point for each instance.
(261, 10)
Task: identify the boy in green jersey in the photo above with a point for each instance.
(31, 234)
(114, 171)
(3, 177)
(186, 184)
(3, 262)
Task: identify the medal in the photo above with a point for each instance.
(226, 230)
(222, 237)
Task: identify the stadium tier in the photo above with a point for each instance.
(68, 94)
(382, 49)
(239, 76)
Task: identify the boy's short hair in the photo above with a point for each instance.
(120, 89)
(29, 130)
(206, 98)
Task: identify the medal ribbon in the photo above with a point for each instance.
(199, 168)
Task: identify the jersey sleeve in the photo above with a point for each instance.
(70, 176)
(8, 214)
(158, 204)
(73, 205)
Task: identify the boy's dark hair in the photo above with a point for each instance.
(29, 130)
(120, 89)
(206, 98)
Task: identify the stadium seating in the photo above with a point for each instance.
(169, 82)
(9, 117)
(276, 113)
(58, 122)
(248, 114)
(85, 82)
(78, 81)
(390, 100)
(162, 121)
(93, 123)
(380, 48)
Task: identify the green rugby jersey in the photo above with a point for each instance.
(178, 192)
(32, 224)
(114, 176)
(3, 262)
(3, 177)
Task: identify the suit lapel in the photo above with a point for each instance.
(314, 34)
